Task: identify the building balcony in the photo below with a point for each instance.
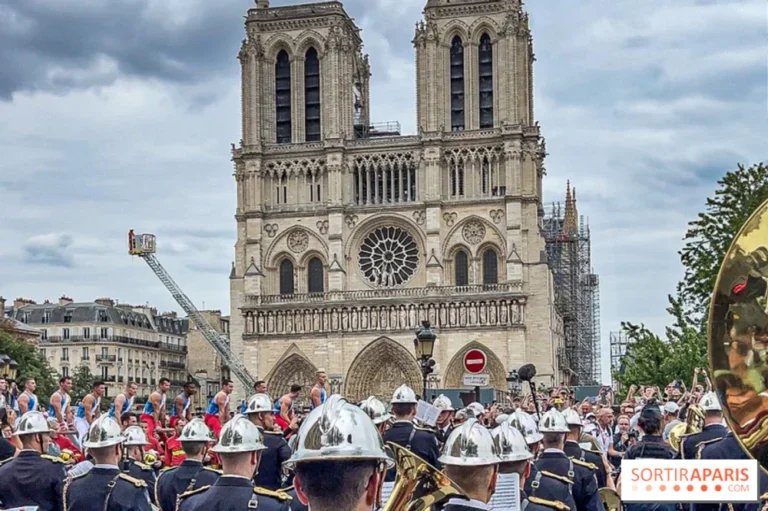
(115, 339)
(393, 310)
(174, 365)
(386, 295)
(106, 359)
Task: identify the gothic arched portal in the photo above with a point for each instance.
(293, 367)
(454, 374)
(379, 369)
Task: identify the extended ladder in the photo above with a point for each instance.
(144, 246)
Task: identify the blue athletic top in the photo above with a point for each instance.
(213, 408)
(81, 409)
(243, 407)
(65, 400)
(31, 404)
(322, 398)
(186, 405)
(277, 405)
(148, 409)
(127, 404)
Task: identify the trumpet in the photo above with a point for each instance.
(418, 485)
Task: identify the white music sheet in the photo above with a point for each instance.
(507, 496)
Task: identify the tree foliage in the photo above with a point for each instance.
(651, 360)
(82, 382)
(31, 365)
(739, 193)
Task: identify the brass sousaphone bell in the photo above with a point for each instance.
(738, 335)
(418, 485)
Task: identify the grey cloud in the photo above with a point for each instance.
(70, 44)
(227, 234)
(50, 250)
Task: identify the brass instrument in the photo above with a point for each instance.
(418, 485)
(694, 420)
(676, 434)
(738, 335)
(610, 499)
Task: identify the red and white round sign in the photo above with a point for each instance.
(474, 361)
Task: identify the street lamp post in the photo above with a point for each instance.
(8, 367)
(513, 383)
(424, 343)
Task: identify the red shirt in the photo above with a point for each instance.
(174, 454)
(65, 443)
(154, 444)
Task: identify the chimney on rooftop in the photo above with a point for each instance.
(65, 300)
(262, 4)
(2, 307)
(18, 303)
(108, 302)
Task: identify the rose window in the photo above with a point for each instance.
(388, 257)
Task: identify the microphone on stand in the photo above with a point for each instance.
(526, 373)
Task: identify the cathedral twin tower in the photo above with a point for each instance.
(350, 235)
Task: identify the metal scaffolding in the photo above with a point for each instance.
(619, 343)
(577, 289)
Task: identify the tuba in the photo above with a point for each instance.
(610, 499)
(694, 420)
(418, 485)
(676, 435)
(738, 335)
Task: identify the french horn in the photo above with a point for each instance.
(738, 335)
(418, 485)
(610, 499)
(694, 420)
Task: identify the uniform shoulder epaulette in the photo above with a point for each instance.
(220, 472)
(54, 459)
(701, 445)
(586, 464)
(142, 466)
(564, 479)
(554, 504)
(270, 493)
(138, 483)
(194, 492)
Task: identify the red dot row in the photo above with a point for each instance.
(690, 487)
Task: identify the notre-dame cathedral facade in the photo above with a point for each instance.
(349, 236)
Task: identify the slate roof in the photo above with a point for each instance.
(91, 312)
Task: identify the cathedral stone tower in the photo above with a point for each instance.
(349, 235)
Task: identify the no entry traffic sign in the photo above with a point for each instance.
(474, 361)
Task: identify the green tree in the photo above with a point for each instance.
(82, 382)
(709, 237)
(31, 365)
(707, 240)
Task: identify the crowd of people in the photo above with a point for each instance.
(269, 453)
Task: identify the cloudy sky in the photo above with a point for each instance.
(119, 114)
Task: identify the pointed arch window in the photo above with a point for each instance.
(490, 267)
(457, 84)
(461, 269)
(485, 64)
(312, 95)
(283, 97)
(286, 277)
(315, 281)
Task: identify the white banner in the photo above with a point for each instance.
(652, 480)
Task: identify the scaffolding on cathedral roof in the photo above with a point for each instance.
(577, 288)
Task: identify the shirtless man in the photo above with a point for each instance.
(181, 404)
(123, 402)
(89, 409)
(154, 408)
(60, 401)
(317, 395)
(218, 409)
(284, 407)
(27, 400)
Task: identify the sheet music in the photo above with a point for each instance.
(426, 413)
(507, 496)
(386, 491)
